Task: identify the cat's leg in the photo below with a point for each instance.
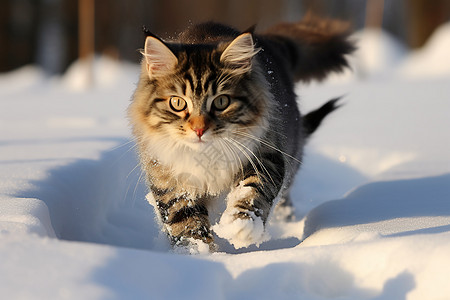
(284, 209)
(250, 202)
(184, 219)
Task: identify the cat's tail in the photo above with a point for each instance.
(312, 120)
(313, 47)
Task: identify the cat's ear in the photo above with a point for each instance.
(239, 53)
(159, 58)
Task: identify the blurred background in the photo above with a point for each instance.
(54, 33)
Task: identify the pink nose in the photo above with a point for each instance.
(199, 131)
(199, 124)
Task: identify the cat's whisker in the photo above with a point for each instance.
(273, 131)
(227, 153)
(236, 146)
(258, 160)
(137, 165)
(291, 160)
(239, 158)
(133, 147)
(135, 187)
(249, 158)
(265, 143)
(122, 145)
(130, 148)
(234, 154)
(126, 178)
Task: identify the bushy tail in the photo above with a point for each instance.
(313, 119)
(313, 47)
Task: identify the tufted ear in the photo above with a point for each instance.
(159, 58)
(239, 53)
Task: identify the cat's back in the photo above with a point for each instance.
(206, 33)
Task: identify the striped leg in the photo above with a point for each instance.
(185, 220)
(250, 202)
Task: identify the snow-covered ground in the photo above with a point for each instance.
(373, 195)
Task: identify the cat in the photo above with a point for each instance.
(215, 116)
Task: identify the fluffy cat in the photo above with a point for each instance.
(215, 117)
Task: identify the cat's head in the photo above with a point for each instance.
(195, 95)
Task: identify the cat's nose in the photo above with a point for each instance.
(198, 125)
(199, 132)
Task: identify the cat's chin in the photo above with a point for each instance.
(197, 143)
(197, 146)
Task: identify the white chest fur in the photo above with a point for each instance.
(208, 167)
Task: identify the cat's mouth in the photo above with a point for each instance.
(198, 141)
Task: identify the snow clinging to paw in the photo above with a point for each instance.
(240, 232)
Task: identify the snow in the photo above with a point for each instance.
(372, 198)
(378, 52)
(241, 233)
(432, 60)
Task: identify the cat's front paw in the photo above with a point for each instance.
(193, 246)
(241, 230)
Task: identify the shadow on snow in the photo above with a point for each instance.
(381, 201)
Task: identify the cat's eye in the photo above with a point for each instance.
(221, 102)
(177, 103)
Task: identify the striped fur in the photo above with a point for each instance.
(215, 113)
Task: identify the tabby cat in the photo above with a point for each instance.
(216, 119)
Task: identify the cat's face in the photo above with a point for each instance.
(196, 96)
(197, 121)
